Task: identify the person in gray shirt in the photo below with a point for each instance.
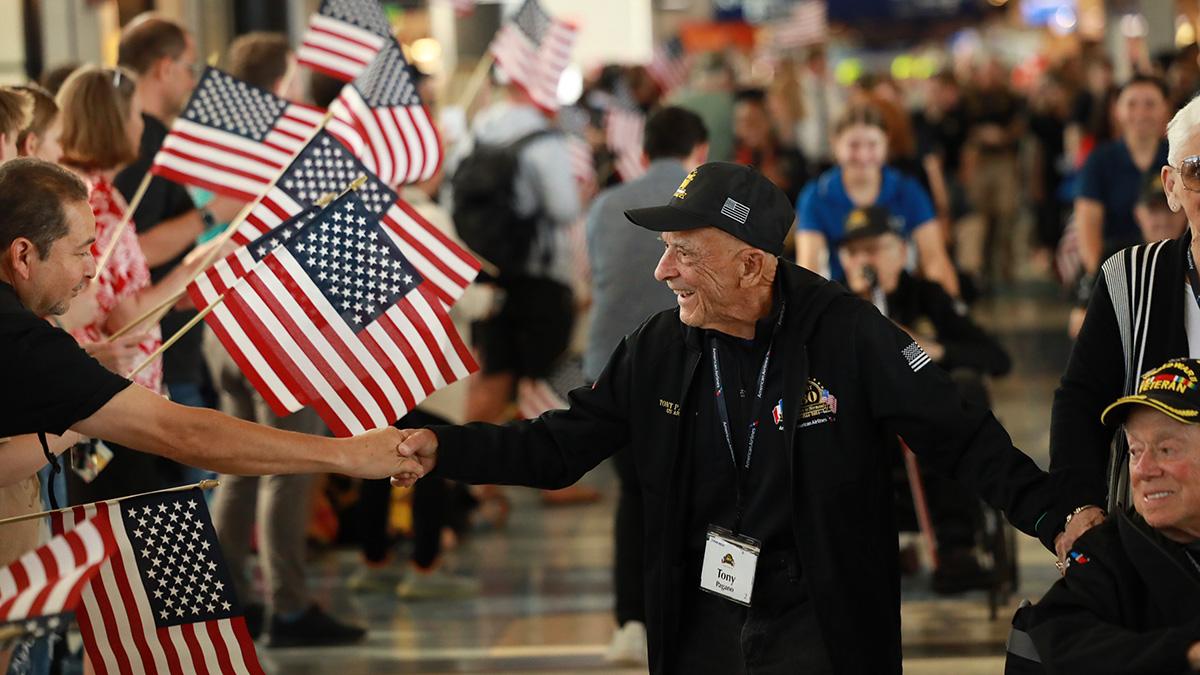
(624, 294)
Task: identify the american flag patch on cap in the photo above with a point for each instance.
(736, 210)
(916, 357)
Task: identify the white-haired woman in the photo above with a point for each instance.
(1144, 310)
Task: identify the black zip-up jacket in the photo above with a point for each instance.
(1135, 322)
(1129, 603)
(839, 460)
(966, 344)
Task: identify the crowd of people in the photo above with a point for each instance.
(918, 198)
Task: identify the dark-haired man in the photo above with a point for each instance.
(163, 56)
(624, 293)
(46, 234)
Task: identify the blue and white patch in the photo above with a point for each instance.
(736, 210)
(916, 357)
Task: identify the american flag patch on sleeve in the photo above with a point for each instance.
(916, 357)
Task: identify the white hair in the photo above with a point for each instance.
(1181, 127)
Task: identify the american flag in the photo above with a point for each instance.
(164, 602)
(46, 583)
(583, 164)
(326, 166)
(807, 25)
(233, 138)
(381, 118)
(669, 66)
(623, 128)
(343, 36)
(536, 396)
(342, 321)
(534, 48)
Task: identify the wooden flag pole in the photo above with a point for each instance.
(178, 334)
(478, 76)
(120, 228)
(209, 257)
(325, 199)
(206, 484)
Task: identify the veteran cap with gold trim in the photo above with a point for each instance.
(730, 197)
(1172, 389)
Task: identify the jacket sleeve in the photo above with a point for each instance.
(552, 451)
(1077, 627)
(966, 344)
(1094, 378)
(917, 400)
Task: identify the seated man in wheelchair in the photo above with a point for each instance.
(873, 254)
(1129, 601)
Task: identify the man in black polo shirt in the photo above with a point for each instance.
(163, 55)
(51, 385)
(758, 413)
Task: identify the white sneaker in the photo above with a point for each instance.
(629, 645)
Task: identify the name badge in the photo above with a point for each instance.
(729, 564)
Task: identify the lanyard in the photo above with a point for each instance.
(1193, 277)
(723, 413)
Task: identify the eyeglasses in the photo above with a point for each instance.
(1189, 173)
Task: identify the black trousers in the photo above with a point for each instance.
(430, 506)
(629, 566)
(777, 634)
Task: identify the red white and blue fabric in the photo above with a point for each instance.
(326, 166)
(381, 118)
(805, 25)
(343, 37)
(623, 129)
(233, 138)
(534, 48)
(41, 590)
(164, 602)
(334, 316)
(669, 66)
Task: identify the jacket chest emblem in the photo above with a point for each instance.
(820, 405)
(669, 407)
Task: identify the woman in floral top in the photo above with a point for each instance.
(102, 128)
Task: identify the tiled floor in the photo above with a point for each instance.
(546, 603)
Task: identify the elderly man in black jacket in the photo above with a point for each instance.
(1130, 600)
(762, 413)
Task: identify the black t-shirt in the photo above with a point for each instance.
(50, 383)
(944, 137)
(767, 512)
(164, 200)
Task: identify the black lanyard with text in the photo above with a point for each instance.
(1193, 277)
(723, 413)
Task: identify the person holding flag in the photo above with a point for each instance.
(46, 233)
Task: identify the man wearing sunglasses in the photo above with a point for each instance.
(1144, 310)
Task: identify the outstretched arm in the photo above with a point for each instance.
(142, 420)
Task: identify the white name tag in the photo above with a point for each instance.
(729, 563)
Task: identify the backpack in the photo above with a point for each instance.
(483, 209)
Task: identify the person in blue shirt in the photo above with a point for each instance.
(1115, 172)
(861, 179)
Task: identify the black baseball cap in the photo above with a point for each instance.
(870, 221)
(730, 197)
(1172, 389)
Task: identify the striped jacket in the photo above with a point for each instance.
(1135, 321)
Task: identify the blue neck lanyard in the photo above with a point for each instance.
(723, 413)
